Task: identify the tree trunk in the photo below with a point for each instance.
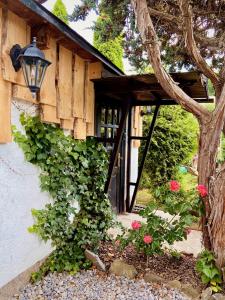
(216, 221)
(213, 222)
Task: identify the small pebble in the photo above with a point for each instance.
(88, 285)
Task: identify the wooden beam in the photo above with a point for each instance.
(167, 102)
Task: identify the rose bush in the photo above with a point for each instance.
(174, 186)
(136, 225)
(151, 236)
(202, 190)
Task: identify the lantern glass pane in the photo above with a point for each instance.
(29, 69)
(34, 71)
(23, 64)
(40, 72)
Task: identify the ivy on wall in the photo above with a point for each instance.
(72, 172)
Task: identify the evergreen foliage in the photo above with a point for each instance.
(174, 143)
(166, 14)
(112, 48)
(71, 172)
(59, 10)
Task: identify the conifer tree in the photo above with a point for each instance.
(59, 10)
(111, 48)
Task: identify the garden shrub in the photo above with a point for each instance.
(150, 236)
(71, 171)
(174, 142)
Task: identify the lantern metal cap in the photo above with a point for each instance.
(31, 50)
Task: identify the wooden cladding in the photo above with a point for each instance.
(67, 93)
(14, 30)
(5, 111)
(48, 89)
(78, 87)
(137, 125)
(65, 84)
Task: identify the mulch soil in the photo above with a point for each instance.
(166, 266)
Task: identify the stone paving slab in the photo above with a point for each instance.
(192, 245)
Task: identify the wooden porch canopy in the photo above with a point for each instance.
(142, 90)
(146, 90)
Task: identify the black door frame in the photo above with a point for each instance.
(119, 147)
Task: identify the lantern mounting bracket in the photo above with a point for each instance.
(14, 54)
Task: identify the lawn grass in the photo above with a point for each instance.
(188, 181)
(144, 196)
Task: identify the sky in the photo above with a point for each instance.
(83, 27)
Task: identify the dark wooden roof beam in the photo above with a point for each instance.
(166, 102)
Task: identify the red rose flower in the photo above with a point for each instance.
(174, 186)
(136, 225)
(202, 190)
(148, 239)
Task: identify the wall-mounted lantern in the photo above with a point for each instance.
(33, 63)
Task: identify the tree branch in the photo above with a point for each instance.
(150, 40)
(175, 23)
(192, 47)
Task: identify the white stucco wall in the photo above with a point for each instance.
(134, 168)
(19, 193)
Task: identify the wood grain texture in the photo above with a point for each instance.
(67, 124)
(79, 129)
(14, 31)
(65, 83)
(49, 114)
(78, 87)
(48, 89)
(137, 125)
(90, 129)
(22, 93)
(5, 112)
(136, 117)
(94, 71)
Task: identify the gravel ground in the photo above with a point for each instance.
(93, 285)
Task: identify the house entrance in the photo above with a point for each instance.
(108, 120)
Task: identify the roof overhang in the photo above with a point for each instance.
(37, 16)
(146, 90)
